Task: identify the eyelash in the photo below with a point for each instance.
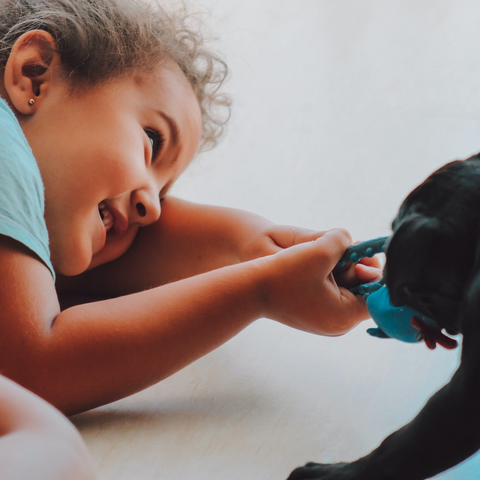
(157, 140)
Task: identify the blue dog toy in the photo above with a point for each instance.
(393, 322)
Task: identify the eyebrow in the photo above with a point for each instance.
(174, 131)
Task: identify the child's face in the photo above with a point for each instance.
(95, 155)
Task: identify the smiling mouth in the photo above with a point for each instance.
(106, 216)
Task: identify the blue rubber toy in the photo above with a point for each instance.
(393, 322)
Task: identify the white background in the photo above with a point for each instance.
(341, 107)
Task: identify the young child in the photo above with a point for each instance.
(114, 99)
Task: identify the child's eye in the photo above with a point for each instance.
(156, 140)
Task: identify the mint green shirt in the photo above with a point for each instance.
(22, 198)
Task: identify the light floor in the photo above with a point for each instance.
(341, 108)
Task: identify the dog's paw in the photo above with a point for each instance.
(319, 471)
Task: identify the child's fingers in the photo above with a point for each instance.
(371, 261)
(276, 239)
(368, 269)
(285, 236)
(356, 274)
(367, 274)
(331, 246)
(303, 235)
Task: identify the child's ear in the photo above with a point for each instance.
(29, 70)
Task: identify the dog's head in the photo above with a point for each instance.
(435, 247)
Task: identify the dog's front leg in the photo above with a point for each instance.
(444, 433)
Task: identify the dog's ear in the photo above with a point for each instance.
(428, 266)
(408, 254)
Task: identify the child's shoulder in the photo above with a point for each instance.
(22, 199)
(14, 143)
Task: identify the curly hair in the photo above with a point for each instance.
(102, 39)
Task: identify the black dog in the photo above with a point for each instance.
(433, 266)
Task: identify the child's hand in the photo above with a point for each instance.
(278, 237)
(300, 289)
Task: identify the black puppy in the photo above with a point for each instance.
(433, 266)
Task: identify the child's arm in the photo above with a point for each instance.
(36, 441)
(96, 353)
(189, 239)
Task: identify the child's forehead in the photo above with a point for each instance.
(163, 72)
(164, 82)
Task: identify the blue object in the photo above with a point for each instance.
(361, 250)
(393, 322)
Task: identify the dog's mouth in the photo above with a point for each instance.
(419, 271)
(439, 305)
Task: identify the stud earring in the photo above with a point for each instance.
(31, 101)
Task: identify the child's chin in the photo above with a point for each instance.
(68, 267)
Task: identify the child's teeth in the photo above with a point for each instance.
(106, 216)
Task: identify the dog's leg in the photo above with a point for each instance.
(444, 433)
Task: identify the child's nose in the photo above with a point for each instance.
(145, 206)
